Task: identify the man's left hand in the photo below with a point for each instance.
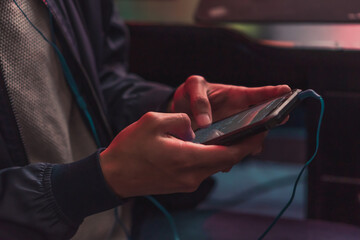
(208, 102)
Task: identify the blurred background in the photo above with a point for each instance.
(173, 39)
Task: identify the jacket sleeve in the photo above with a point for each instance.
(127, 95)
(36, 201)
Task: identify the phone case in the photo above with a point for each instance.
(272, 120)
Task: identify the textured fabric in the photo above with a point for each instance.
(49, 121)
(29, 204)
(94, 41)
(31, 189)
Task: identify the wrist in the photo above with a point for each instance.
(111, 170)
(81, 190)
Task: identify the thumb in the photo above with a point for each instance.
(259, 94)
(177, 125)
(199, 102)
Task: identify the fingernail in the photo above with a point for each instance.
(189, 136)
(203, 120)
(285, 86)
(192, 135)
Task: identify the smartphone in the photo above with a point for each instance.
(255, 119)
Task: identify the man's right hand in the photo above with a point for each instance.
(155, 156)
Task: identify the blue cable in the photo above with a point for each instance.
(122, 225)
(69, 77)
(82, 104)
(167, 215)
(303, 95)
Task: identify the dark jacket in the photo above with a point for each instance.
(50, 201)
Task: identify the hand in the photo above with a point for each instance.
(154, 156)
(207, 102)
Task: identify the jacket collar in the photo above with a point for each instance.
(57, 9)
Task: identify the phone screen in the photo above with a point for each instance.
(238, 121)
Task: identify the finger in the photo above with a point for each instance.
(177, 125)
(260, 147)
(196, 87)
(215, 158)
(257, 151)
(211, 158)
(285, 120)
(260, 94)
(225, 170)
(252, 145)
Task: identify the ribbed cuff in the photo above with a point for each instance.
(80, 188)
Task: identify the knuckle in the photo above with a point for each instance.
(150, 116)
(197, 79)
(257, 150)
(184, 118)
(200, 100)
(235, 157)
(190, 183)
